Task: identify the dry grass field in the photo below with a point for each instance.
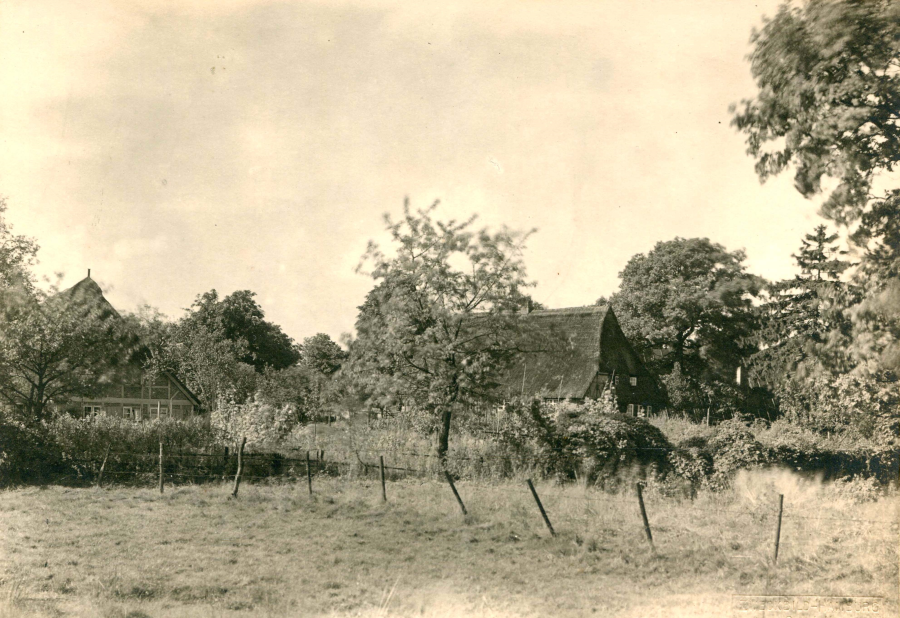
(275, 551)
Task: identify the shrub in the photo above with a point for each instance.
(733, 448)
(27, 455)
(89, 437)
(583, 441)
(260, 422)
(867, 406)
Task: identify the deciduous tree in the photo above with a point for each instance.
(687, 303)
(239, 319)
(439, 328)
(54, 348)
(828, 106)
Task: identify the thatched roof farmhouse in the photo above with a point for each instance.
(134, 394)
(595, 350)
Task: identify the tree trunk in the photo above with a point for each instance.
(444, 436)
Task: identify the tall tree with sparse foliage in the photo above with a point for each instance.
(440, 326)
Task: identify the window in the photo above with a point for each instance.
(633, 380)
(649, 410)
(641, 411)
(90, 411)
(617, 380)
(630, 409)
(132, 413)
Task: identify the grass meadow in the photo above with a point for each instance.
(276, 551)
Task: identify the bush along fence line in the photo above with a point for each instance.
(231, 467)
(603, 469)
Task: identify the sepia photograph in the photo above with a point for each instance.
(482, 308)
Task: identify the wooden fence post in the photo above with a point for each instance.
(160, 465)
(308, 474)
(240, 469)
(778, 526)
(644, 516)
(383, 490)
(103, 466)
(541, 507)
(456, 493)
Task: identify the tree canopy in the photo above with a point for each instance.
(17, 255)
(322, 354)
(802, 314)
(239, 319)
(828, 106)
(54, 348)
(686, 307)
(439, 327)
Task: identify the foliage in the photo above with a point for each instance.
(686, 307)
(829, 92)
(583, 441)
(828, 75)
(293, 386)
(91, 436)
(861, 406)
(17, 255)
(322, 354)
(53, 348)
(260, 422)
(238, 318)
(733, 448)
(207, 362)
(27, 455)
(440, 326)
(805, 314)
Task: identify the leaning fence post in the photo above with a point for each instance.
(640, 496)
(103, 465)
(456, 493)
(383, 490)
(778, 526)
(240, 469)
(308, 474)
(160, 465)
(541, 507)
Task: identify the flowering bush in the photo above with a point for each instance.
(260, 422)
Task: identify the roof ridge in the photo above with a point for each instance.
(587, 309)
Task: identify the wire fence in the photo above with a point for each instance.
(184, 468)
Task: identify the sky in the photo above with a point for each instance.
(177, 147)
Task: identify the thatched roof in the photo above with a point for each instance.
(88, 295)
(591, 342)
(568, 371)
